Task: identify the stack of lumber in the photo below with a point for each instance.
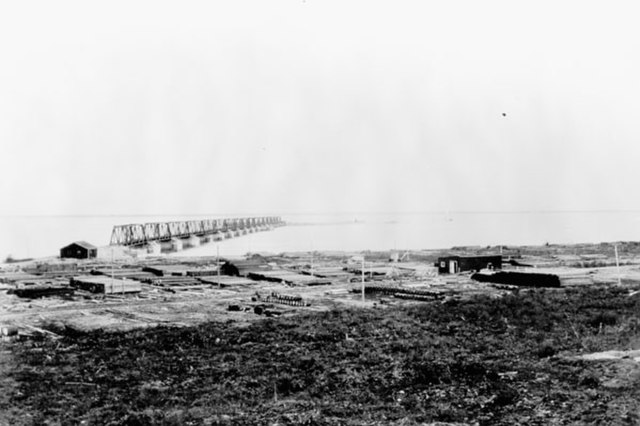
(226, 281)
(129, 273)
(179, 283)
(288, 277)
(106, 285)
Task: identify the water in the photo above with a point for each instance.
(38, 236)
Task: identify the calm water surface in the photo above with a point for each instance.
(37, 236)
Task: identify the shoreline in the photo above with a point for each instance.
(135, 253)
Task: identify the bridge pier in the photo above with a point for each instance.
(176, 244)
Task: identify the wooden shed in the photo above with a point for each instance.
(79, 250)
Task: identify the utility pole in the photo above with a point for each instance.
(218, 263)
(362, 279)
(615, 246)
(113, 290)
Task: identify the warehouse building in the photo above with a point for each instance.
(79, 250)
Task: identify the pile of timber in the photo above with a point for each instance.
(179, 283)
(418, 297)
(41, 268)
(378, 289)
(400, 292)
(181, 270)
(287, 277)
(13, 277)
(105, 285)
(38, 291)
(226, 281)
(166, 270)
(327, 272)
(282, 299)
(58, 274)
(127, 273)
(202, 272)
(523, 279)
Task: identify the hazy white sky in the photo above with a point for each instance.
(291, 106)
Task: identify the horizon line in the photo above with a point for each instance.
(310, 213)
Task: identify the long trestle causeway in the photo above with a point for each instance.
(139, 234)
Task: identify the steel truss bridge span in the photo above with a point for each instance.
(143, 233)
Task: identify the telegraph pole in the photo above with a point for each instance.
(362, 279)
(615, 247)
(218, 263)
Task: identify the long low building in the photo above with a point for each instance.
(105, 285)
(455, 264)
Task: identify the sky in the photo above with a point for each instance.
(312, 106)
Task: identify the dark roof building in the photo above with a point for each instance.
(79, 250)
(242, 267)
(455, 264)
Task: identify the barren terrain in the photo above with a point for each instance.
(473, 354)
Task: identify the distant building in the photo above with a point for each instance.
(455, 264)
(79, 250)
(242, 267)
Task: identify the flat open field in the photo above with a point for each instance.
(479, 355)
(483, 361)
